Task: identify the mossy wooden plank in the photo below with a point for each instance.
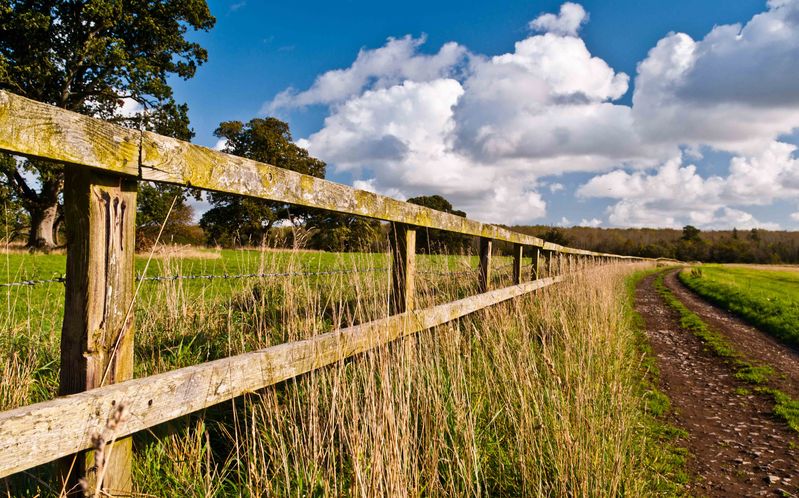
(169, 160)
(34, 129)
(37, 130)
(36, 434)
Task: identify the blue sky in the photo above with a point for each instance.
(682, 167)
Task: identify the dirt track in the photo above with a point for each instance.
(739, 448)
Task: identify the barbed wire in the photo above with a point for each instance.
(164, 278)
(445, 272)
(463, 272)
(22, 283)
(225, 276)
(259, 275)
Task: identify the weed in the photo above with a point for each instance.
(754, 374)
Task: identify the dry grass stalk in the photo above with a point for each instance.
(533, 397)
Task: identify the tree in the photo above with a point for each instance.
(690, 233)
(155, 199)
(14, 220)
(87, 57)
(153, 212)
(437, 241)
(555, 236)
(344, 233)
(240, 220)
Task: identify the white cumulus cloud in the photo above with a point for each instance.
(567, 22)
(397, 61)
(489, 132)
(549, 102)
(480, 133)
(735, 89)
(593, 222)
(408, 151)
(676, 193)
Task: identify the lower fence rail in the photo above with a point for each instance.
(37, 434)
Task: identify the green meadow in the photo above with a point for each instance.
(514, 400)
(768, 299)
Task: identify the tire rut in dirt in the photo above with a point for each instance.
(739, 448)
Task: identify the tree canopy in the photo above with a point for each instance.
(88, 57)
(712, 246)
(155, 199)
(431, 241)
(234, 219)
(344, 233)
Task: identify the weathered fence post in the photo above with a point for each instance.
(97, 332)
(484, 282)
(403, 271)
(550, 256)
(518, 254)
(536, 263)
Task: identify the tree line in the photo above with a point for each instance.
(688, 244)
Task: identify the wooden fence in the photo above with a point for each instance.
(99, 403)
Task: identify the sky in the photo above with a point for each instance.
(612, 114)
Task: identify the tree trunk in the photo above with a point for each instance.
(43, 208)
(43, 226)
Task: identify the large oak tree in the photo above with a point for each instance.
(88, 56)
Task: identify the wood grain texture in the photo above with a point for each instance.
(33, 129)
(403, 268)
(484, 273)
(97, 332)
(518, 254)
(36, 434)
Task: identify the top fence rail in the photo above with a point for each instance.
(33, 129)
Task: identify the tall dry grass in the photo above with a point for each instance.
(535, 397)
(538, 396)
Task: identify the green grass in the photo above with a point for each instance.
(768, 299)
(761, 376)
(31, 316)
(786, 408)
(542, 395)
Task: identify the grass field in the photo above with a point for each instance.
(30, 316)
(768, 299)
(544, 395)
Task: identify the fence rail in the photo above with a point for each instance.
(42, 131)
(103, 163)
